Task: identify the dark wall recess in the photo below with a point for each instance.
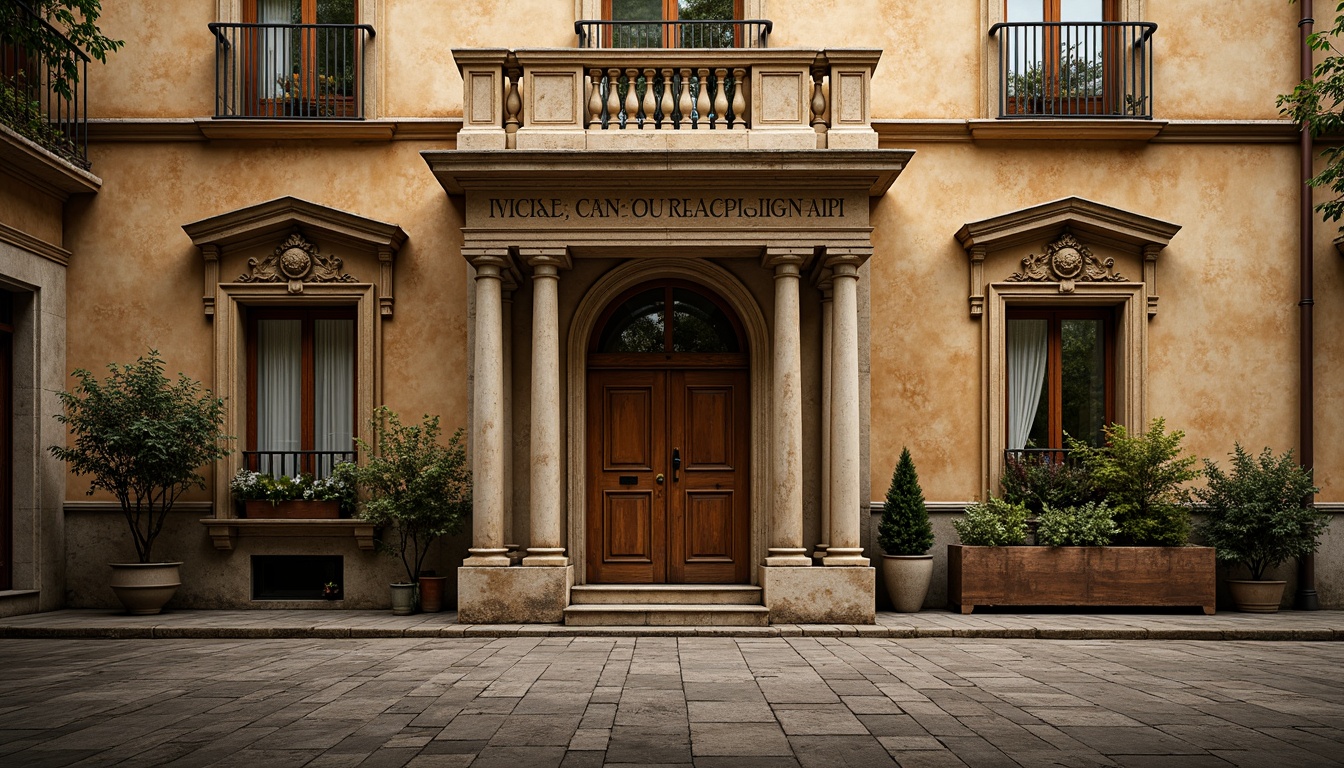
(295, 577)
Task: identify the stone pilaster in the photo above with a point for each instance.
(487, 519)
(546, 480)
(786, 450)
(846, 496)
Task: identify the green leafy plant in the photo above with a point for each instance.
(1089, 525)
(141, 437)
(1039, 480)
(263, 486)
(412, 483)
(1141, 476)
(1257, 515)
(905, 527)
(994, 523)
(68, 22)
(1318, 104)
(24, 114)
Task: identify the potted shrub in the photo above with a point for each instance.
(263, 495)
(905, 536)
(1258, 516)
(142, 438)
(414, 487)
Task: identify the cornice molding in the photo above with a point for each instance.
(27, 242)
(137, 130)
(893, 133)
(30, 164)
(114, 507)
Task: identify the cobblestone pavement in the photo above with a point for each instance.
(590, 701)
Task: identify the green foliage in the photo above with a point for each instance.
(1037, 481)
(1089, 525)
(25, 115)
(905, 527)
(994, 523)
(1257, 515)
(259, 486)
(1141, 477)
(141, 437)
(413, 482)
(72, 20)
(1318, 103)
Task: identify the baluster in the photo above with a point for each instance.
(684, 109)
(702, 98)
(721, 98)
(614, 98)
(818, 107)
(512, 106)
(631, 97)
(739, 113)
(595, 117)
(665, 106)
(647, 120)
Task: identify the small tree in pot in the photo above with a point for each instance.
(905, 536)
(415, 485)
(142, 438)
(1258, 516)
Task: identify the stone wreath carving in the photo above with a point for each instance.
(296, 261)
(1066, 261)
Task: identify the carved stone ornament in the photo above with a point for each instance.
(1066, 261)
(296, 261)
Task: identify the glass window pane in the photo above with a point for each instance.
(637, 325)
(706, 9)
(1026, 10)
(636, 35)
(333, 389)
(1083, 374)
(698, 325)
(335, 11)
(1028, 396)
(1080, 10)
(636, 10)
(279, 384)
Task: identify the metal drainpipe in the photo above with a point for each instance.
(1306, 598)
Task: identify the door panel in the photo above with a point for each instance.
(627, 519)
(709, 526)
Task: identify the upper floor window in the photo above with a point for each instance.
(673, 23)
(292, 58)
(1060, 373)
(1073, 58)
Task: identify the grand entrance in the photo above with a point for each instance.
(668, 440)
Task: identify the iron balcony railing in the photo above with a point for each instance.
(319, 464)
(737, 33)
(1100, 69)
(290, 71)
(44, 100)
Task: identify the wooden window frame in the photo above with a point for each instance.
(1050, 60)
(598, 358)
(308, 373)
(671, 14)
(308, 42)
(1054, 361)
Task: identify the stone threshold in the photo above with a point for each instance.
(316, 624)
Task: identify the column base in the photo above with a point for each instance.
(820, 595)
(487, 558)
(787, 557)
(513, 595)
(546, 557)
(819, 551)
(845, 557)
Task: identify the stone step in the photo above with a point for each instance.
(665, 594)
(667, 615)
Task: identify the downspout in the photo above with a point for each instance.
(1306, 598)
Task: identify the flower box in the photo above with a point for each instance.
(298, 509)
(1081, 576)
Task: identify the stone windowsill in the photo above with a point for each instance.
(224, 530)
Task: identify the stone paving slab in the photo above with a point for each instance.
(323, 624)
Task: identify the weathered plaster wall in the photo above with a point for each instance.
(29, 210)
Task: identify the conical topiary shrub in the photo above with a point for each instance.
(905, 535)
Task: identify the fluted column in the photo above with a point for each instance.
(827, 316)
(487, 445)
(786, 449)
(845, 548)
(546, 504)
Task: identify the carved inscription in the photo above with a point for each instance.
(667, 208)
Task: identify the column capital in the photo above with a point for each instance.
(838, 257)
(547, 256)
(796, 256)
(491, 256)
(822, 277)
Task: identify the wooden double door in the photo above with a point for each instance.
(668, 475)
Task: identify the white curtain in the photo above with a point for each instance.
(334, 385)
(279, 389)
(275, 46)
(1027, 349)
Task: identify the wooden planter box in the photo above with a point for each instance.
(1082, 576)
(292, 510)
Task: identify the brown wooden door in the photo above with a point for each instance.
(668, 479)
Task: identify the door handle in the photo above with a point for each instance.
(658, 479)
(676, 463)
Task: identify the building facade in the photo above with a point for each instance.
(689, 285)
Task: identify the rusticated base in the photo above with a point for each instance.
(518, 595)
(820, 595)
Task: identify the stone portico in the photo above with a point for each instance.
(566, 212)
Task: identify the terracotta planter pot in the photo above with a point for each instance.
(403, 599)
(431, 593)
(144, 588)
(907, 578)
(260, 509)
(1256, 596)
(1082, 576)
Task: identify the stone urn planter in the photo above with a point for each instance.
(907, 578)
(1256, 596)
(403, 599)
(144, 588)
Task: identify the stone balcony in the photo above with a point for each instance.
(627, 99)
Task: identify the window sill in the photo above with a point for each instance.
(223, 531)
(1066, 128)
